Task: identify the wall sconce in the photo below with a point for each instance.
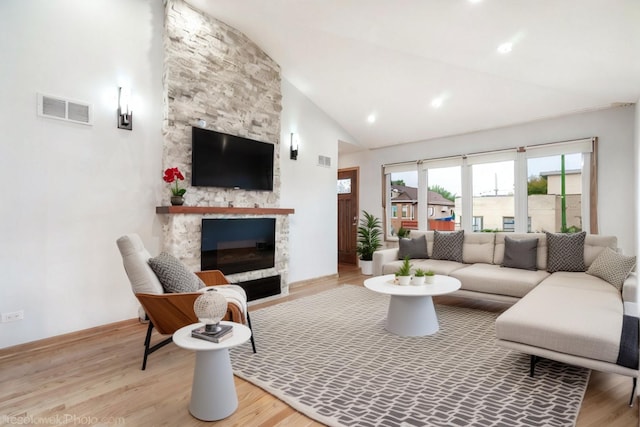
(125, 116)
(295, 142)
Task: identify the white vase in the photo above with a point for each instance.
(404, 280)
(429, 279)
(417, 280)
(366, 267)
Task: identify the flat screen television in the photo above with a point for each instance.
(228, 161)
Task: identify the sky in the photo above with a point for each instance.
(491, 177)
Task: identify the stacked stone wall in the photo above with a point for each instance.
(213, 72)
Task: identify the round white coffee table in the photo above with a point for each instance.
(213, 392)
(411, 312)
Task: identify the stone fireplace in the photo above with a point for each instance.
(214, 73)
(182, 227)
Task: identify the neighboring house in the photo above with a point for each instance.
(545, 210)
(404, 207)
(572, 184)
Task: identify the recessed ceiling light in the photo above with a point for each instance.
(475, 1)
(371, 118)
(437, 102)
(505, 47)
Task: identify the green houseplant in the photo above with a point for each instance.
(404, 272)
(429, 276)
(369, 240)
(403, 233)
(418, 277)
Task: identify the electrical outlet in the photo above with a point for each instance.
(12, 316)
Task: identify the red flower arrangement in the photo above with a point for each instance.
(174, 175)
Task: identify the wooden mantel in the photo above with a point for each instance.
(222, 210)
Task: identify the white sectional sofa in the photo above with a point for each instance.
(576, 317)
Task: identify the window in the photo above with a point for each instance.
(545, 192)
(344, 186)
(518, 190)
(493, 191)
(508, 223)
(476, 224)
(444, 180)
(406, 212)
(402, 188)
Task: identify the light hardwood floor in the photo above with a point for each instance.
(93, 377)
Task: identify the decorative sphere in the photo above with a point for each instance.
(210, 307)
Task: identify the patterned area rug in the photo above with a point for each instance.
(329, 357)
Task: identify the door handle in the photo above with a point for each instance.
(355, 221)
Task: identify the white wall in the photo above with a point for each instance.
(636, 165)
(308, 188)
(616, 169)
(71, 190)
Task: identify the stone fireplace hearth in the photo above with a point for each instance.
(182, 226)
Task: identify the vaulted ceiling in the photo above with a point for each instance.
(395, 61)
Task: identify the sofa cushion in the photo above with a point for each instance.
(569, 312)
(498, 256)
(494, 279)
(478, 247)
(413, 248)
(612, 267)
(174, 275)
(521, 253)
(594, 244)
(448, 246)
(578, 280)
(565, 252)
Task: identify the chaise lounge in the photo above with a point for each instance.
(574, 298)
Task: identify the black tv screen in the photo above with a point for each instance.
(228, 161)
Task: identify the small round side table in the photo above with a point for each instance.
(213, 392)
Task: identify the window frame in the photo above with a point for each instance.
(588, 147)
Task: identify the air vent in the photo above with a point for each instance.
(324, 161)
(64, 109)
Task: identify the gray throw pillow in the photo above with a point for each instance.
(565, 252)
(448, 246)
(612, 267)
(413, 248)
(520, 253)
(174, 275)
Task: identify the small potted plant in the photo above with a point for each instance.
(418, 277)
(429, 276)
(404, 272)
(403, 233)
(177, 194)
(369, 241)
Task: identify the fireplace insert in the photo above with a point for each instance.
(238, 245)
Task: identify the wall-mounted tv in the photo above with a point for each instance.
(228, 161)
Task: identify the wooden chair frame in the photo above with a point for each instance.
(171, 311)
